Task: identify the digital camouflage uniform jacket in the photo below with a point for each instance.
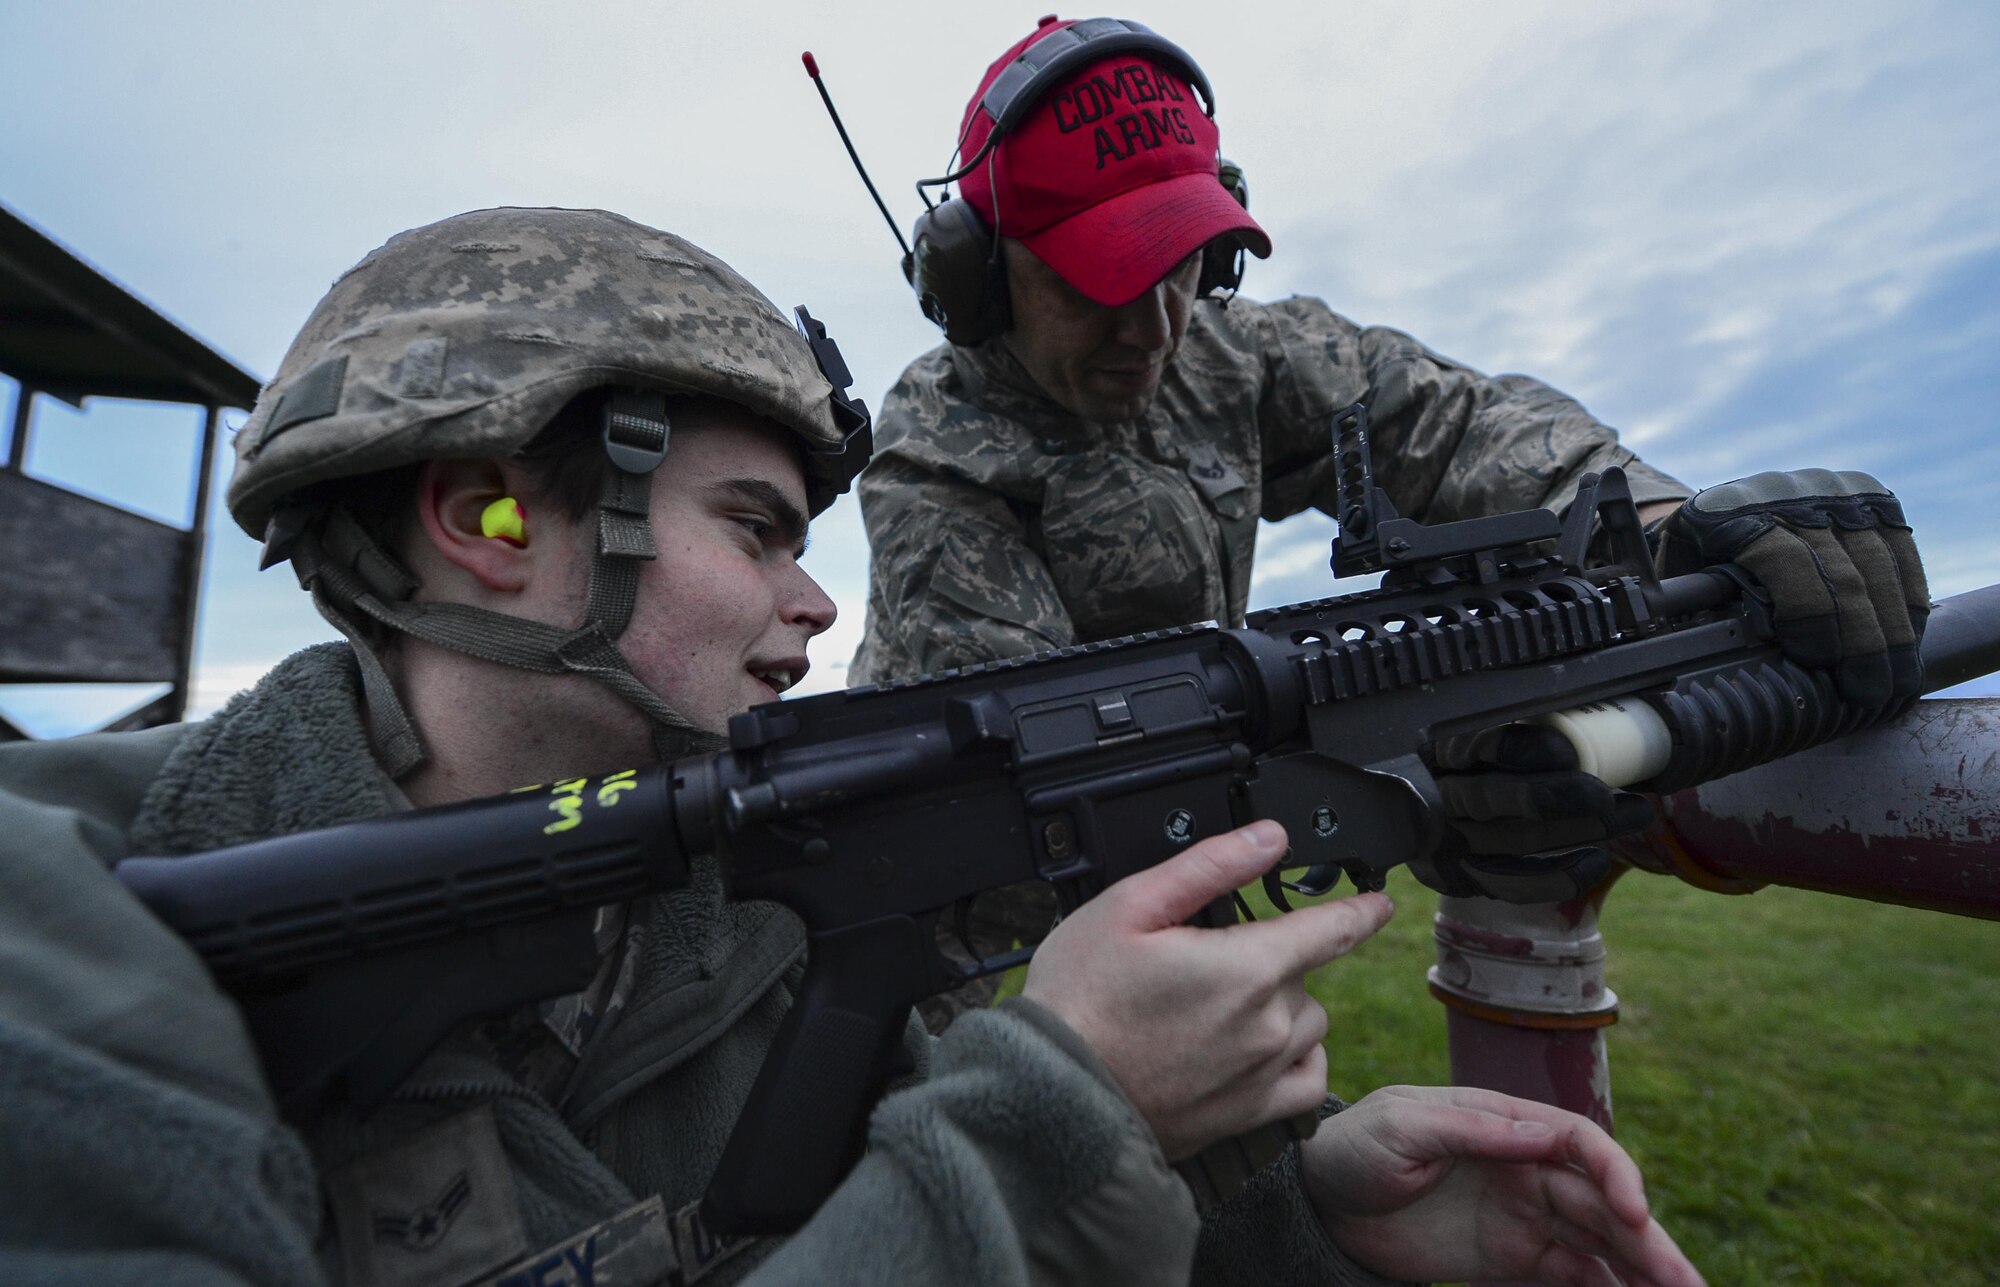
(139, 1143)
(1001, 524)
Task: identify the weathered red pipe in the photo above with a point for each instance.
(1906, 813)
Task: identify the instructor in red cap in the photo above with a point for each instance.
(1090, 452)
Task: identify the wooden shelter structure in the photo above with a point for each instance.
(90, 592)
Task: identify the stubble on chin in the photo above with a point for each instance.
(1120, 407)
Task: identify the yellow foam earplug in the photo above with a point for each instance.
(505, 520)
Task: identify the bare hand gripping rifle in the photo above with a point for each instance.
(873, 812)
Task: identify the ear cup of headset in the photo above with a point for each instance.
(1221, 267)
(1222, 259)
(961, 284)
(956, 270)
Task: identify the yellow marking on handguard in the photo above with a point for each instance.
(616, 785)
(571, 810)
(564, 802)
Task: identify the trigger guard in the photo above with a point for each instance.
(1317, 880)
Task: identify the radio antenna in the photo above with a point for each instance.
(812, 70)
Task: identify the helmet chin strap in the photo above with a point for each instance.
(351, 577)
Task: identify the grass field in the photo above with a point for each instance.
(1811, 1083)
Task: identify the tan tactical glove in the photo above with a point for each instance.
(1831, 547)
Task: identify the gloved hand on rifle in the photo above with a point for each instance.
(1523, 821)
(1832, 550)
(1847, 594)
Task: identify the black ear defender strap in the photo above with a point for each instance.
(955, 266)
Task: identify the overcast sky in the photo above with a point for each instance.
(1750, 236)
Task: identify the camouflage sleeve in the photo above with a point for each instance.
(1448, 442)
(952, 579)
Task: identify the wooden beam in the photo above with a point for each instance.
(17, 441)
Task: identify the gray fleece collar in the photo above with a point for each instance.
(288, 755)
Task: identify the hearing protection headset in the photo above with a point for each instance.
(954, 264)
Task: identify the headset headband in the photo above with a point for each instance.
(1062, 51)
(1054, 56)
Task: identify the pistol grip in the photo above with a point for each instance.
(806, 1120)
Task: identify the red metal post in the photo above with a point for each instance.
(1526, 1005)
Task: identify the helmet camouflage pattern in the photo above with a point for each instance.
(465, 337)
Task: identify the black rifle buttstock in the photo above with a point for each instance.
(806, 1120)
(333, 1029)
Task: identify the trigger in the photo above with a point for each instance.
(1317, 880)
(1366, 879)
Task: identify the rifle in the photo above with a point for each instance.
(872, 812)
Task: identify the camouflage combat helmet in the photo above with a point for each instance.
(464, 339)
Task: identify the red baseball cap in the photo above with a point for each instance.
(1110, 178)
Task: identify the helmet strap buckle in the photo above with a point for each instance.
(636, 429)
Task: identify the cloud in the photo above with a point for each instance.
(214, 685)
(1747, 235)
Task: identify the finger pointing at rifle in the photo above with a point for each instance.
(1210, 1032)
